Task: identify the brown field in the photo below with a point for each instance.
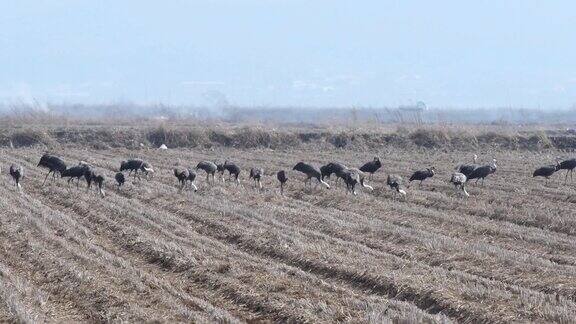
(232, 254)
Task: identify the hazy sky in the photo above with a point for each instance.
(290, 52)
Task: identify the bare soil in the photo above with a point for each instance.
(234, 254)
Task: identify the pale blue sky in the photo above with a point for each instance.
(517, 53)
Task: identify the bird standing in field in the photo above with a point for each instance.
(545, 171)
(210, 168)
(482, 172)
(568, 165)
(282, 178)
(54, 165)
(16, 172)
(94, 176)
(182, 175)
(422, 175)
(311, 172)
(336, 168)
(233, 170)
(120, 179)
(371, 167)
(220, 169)
(75, 172)
(256, 174)
(135, 165)
(459, 181)
(467, 169)
(395, 182)
(352, 177)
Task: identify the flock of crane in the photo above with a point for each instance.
(350, 176)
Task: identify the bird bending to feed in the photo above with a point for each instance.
(335, 168)
(191, 179)
(353, 177)
(372, 166)
(233, 170)
(256, 175)
(545, 171)
(220, 169)
(567, 165)
(17, 172)
(310, 172)
(422, 175)
(482, 172)
(182, 175)
(75, 172)
(135, 165)
(395, 182)
(467, 169)
(54, 165)
(282, 178)
(459, 181)
(120, 179)
(210, 168)
(94, 176)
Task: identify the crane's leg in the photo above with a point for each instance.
(566, 178)
(281, 189)
(46, 178)
(421, 183)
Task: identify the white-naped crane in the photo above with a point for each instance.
(54, 165)
(371, 167)
(568, 165)
(210, 168)
(546, 171)
(256, 175)
(353, 177)
(311, 172)
(282, 178)
(394, 181)
(17, 172)
(483, 171)
(422, 175)
(459, 181)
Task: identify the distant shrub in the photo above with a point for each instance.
(430, 138)
(248, 137)
(499, 140)
(176, 137)
(539, 141)
(463, 140)
(220, 138)
(340, 140)
(30, 138)
(309, 136)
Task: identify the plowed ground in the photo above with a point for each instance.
(228, 253)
